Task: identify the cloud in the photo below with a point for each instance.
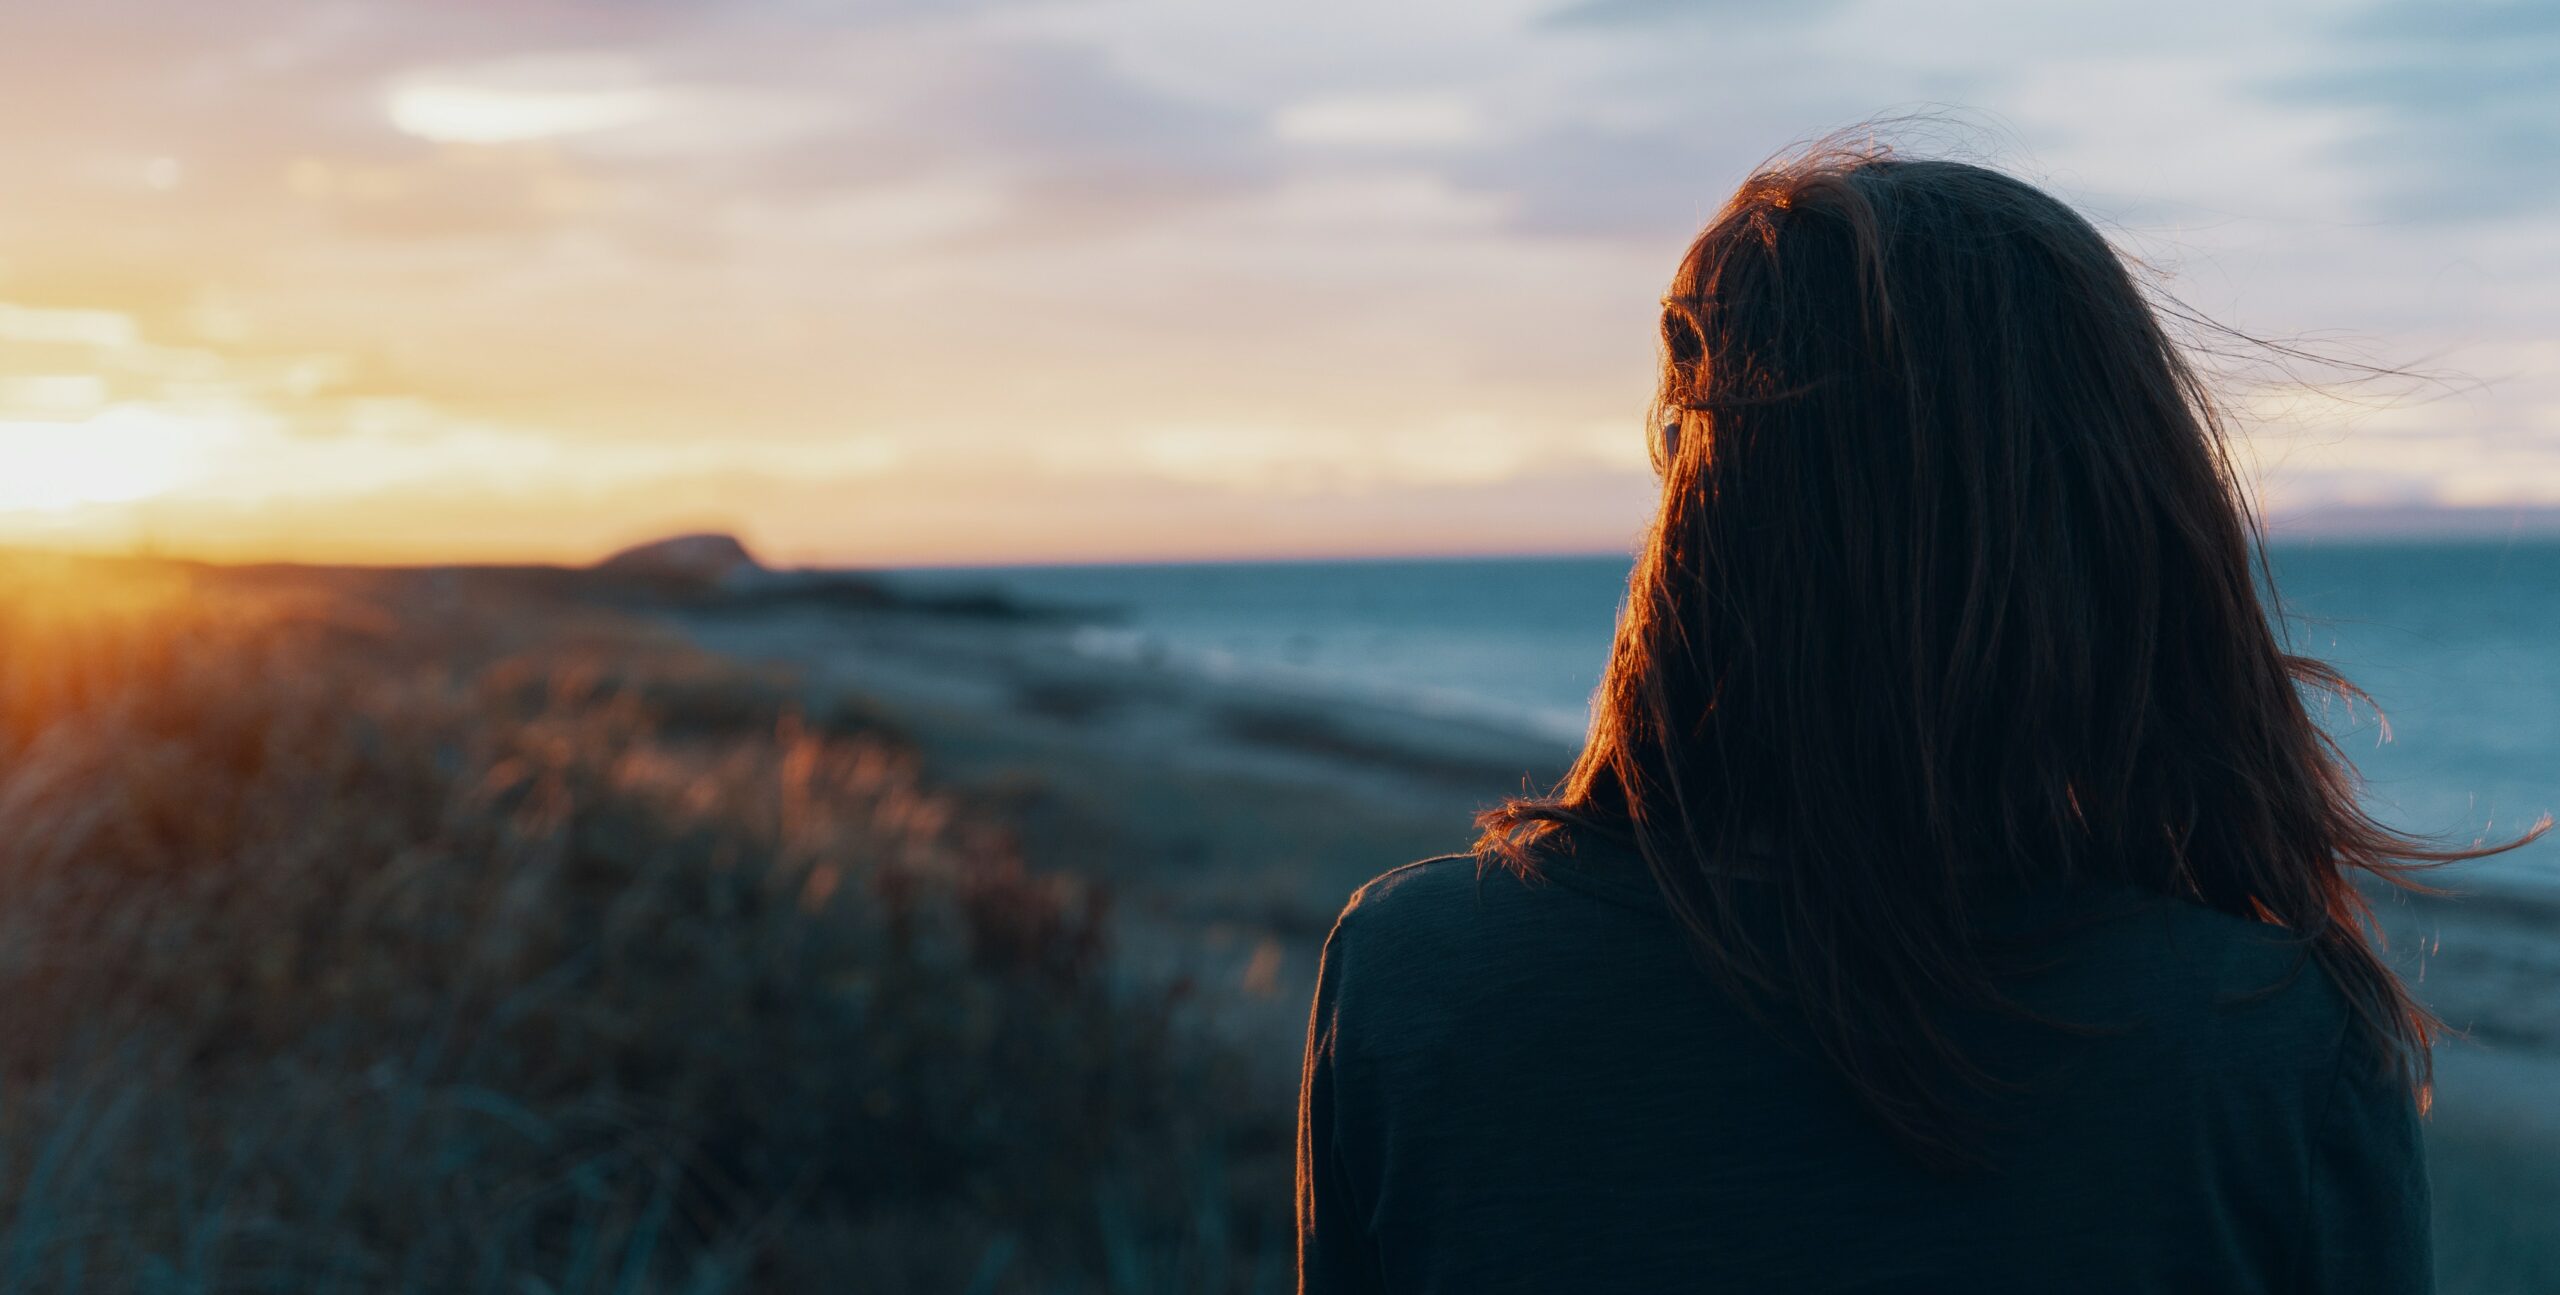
(2461, 105)
(1396, 120)
(1658, 183)
(513, 101)
(1467, 449)
(1148, 250)
(1657, 13)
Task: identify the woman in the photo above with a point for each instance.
(1955, 893)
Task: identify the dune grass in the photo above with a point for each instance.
(365, 942)
(407, 934)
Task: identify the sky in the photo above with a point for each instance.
(903, 281)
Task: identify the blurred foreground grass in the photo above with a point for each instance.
(435, 932)
(351, 942)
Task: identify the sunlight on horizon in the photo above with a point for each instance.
(125, 454)
(385, 281)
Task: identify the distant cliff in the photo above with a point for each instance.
(714, 572)
(700, 561)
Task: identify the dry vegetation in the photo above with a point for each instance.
(425, 933)
(533, 953)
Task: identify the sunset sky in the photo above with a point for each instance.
(912, 281)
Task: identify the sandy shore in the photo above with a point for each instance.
(1245, 813)
(1232, 819)
(1212, 799)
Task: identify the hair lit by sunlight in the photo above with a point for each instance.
(127, 453)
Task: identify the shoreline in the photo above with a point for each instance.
(1238, 803)
(1209, 825)
(1230, 847)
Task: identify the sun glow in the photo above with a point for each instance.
(124, 454)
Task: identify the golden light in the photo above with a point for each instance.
(124, 454)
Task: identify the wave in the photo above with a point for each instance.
(1138, 647)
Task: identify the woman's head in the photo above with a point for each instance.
(1952, 581)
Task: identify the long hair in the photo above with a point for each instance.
(1952, 580)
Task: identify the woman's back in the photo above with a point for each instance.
(2049, 969)
(1529, 1086)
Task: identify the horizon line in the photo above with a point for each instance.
(2314, 538)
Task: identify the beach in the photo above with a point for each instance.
(663, 842)
(1233, 816)
(1240, 811)
(1230, 819)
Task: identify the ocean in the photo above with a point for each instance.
(2459, 643)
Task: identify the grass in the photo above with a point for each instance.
(367, 940)
(414, 934)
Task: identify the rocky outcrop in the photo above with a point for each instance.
(701, 562)
(713, 573)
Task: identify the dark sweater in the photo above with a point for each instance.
(1530, 1087)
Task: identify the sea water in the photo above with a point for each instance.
(2458, 643)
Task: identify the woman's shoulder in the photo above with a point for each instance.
(1462, 920)
(1416, 885)
(1466, 891)
(1451, 955)
(2199, 989)
(1429, 900)
(2113, 942)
